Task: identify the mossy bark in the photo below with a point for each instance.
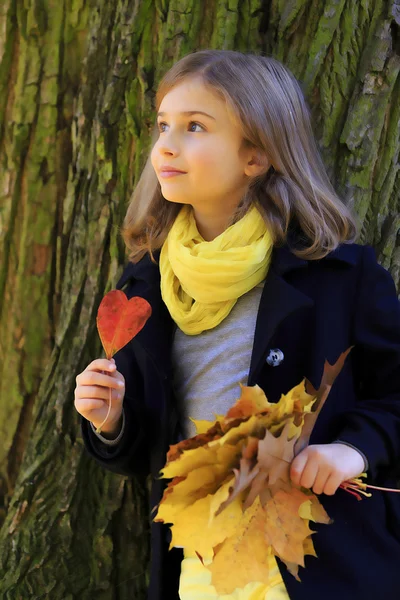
(77, 86)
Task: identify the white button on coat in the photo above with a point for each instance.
(275, 357)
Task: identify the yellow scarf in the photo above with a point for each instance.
(201, 281)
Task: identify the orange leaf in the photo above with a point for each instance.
(119, 320)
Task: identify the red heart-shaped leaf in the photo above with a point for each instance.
(119, 320)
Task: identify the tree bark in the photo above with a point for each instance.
(77, 87)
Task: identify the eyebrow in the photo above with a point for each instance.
(189, 112)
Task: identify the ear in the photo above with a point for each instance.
(258, 164)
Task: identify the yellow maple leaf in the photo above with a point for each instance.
(198, 530)
(242, 557)
(251, 402)
(200, 457)
(192, 481)
(202, 426)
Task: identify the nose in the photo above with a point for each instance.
(167, 144)
(170, 149)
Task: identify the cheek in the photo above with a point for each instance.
(214, 159)
(153, 155)
(199, 155)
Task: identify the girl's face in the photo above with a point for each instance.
(206, 148)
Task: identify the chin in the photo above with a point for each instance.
(176, 200)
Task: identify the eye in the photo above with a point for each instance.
(197, 124)
(190, 124)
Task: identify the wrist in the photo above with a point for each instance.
(366, 466)
(111, 430)
(113, 433)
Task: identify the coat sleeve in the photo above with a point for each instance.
(130, 456)
(374, 425)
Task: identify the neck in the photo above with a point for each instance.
(211, 226)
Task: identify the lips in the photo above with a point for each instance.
(169, 174)
(170, 170)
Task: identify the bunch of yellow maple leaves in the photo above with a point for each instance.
(230, 499)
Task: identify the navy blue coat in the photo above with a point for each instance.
(311, 311)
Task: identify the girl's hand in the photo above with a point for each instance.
(323, 467)
(92, 394)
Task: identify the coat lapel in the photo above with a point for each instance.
(280, 299)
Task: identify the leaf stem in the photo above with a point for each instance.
(359, 486)
(98, 430)
(383, 489)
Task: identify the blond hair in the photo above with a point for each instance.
(266, 102)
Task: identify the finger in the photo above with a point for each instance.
(297, 466)
(309, 474)
(98, 366)
(332, 484)
(100, 379)
(95, 391)
(101, 364)
(321, 481)
(85, 405)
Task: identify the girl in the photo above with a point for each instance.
(247, 257)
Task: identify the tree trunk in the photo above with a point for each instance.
(77, 86)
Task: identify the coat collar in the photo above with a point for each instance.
(283, 260)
